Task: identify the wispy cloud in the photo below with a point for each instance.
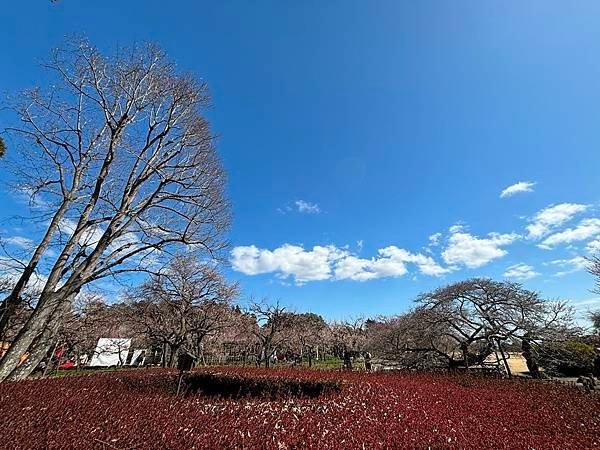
(300, 206)
(18, 241)
(586, 302)
(586, 229)
(548, 219)
(593, 246)
(568, 266)
(583, 308)
(434, 239)
(521, 186)
(520, 271)
(307, 207)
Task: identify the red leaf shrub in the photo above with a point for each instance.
(136, 409)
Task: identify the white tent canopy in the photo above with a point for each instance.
(111, 352)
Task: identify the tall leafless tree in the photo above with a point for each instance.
(120, 155)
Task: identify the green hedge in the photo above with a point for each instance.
(238, 386)
(571, 358)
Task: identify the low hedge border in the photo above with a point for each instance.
(239, 386)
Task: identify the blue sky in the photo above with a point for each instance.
(365, 128)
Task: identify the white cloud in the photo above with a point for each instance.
(128, 242)
(521, 186)
(19, 241)
(569, 265)
(89, 238)
(426, 264)
(307, 207)
(329, 262)
(11, 269)
(472, 251)
(520, 271)
(287, 260)
(360, 269)
(390, 262)
(456, 228)
(434, 239)
(593, 246)
(551, 217)
(579, 304)
(586, 229)
(32, 198)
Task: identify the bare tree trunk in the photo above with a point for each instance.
(266, 354)
(465, 352)
(12, 301)
(47, 368)
(504, 359)
(202, 356)
(32, 330)
(347, 360)
(38, 352)
(163, 356)
(42, 344)
(173, 355)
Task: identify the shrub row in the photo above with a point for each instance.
(230, 385)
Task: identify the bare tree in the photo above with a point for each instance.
(182, 305)
(411, 341)
(238, 340)
(273, 322)
(594, 269)
(349, 339)
(18, 316)
(123, 159)
(594, 317)
(479, 316)
(307, 333)
(90, 319)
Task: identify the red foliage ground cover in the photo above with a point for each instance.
(136, 409)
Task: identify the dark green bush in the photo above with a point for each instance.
(571, 358)
(238, 386)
